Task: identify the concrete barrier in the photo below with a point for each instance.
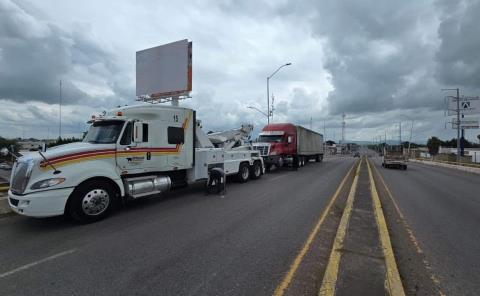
(447, 165)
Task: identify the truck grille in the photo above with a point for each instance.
(262, 149)
(20, 175)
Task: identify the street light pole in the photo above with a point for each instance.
(268, 89)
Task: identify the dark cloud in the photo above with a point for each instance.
(35, 55)
(458, 62)
(375, 53)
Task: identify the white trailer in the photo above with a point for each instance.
(128, 153)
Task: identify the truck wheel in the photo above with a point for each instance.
(92, 202)
(317, 158)
(243, 173)
(255, 170)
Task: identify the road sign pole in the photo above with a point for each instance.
(462, 141)
(458, 126)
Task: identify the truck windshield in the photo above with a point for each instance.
(270, 138)
(104, 132)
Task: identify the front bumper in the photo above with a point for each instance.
(46, 203)
(271, 159)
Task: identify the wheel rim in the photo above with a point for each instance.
(280, 162)
(257, 171)
(95, 202)
(245, 173)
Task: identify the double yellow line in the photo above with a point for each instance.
(282, 287)
(393, 283)
(331, 273)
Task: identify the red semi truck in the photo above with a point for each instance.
(286, 144)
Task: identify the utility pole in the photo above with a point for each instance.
(410, 141)
(60, 117)
(343, 128)
(324, 138)
(400, 132)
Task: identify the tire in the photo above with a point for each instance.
(268, 167)
(92, 201)
(317, 158)
(243, 173)
(255, 170)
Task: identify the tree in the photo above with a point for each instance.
(433, 145)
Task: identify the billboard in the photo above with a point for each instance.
(467, 105)
(164, 70)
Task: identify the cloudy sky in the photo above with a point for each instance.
(379, 62)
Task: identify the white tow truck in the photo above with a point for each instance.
(128, 153)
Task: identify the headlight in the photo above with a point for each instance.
(47, 183)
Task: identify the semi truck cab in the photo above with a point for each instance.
(283, 144)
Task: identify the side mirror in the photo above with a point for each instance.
(137, 132)
(289, 139)
(4, 151)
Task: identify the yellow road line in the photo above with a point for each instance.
(331, 273)
(412, 237)
(281, 288)
(393, 282)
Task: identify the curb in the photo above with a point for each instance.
(447, 165)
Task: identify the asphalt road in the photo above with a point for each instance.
(184, 244)
(442, 207)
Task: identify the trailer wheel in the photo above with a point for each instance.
(92, 201)
(255, 170)
(243, 173)
(317, 158)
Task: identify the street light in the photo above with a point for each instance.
(268, 89)
(255, 108)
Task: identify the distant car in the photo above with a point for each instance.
(356, 154)
(5, 166)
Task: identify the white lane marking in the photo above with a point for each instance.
(29, 265)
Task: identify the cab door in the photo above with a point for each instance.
(131, 155)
